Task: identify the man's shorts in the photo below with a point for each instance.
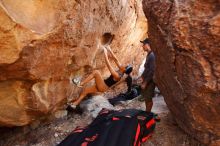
(148, 93)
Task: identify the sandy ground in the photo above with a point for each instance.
(52, 132)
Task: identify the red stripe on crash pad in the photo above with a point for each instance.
(145, 138)
(84, 144)
(115, 119)
(137, 134)
(150, 123)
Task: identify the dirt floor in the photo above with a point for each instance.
(52, 132)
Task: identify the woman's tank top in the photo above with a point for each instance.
(110, 80)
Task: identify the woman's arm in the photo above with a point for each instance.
(114, 57)
(112, 71)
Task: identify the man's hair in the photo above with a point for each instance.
(146, 41)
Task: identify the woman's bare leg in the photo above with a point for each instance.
(89, 78)
(84, 93)
(100, 84)
(99, 81)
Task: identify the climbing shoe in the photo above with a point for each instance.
(74, 109)
(71, 105)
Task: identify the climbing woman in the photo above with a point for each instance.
(102, 85)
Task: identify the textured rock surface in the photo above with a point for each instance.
(44, 43)
(185, 36)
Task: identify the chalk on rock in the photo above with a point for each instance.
(56, 135)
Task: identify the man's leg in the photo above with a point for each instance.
(148, 104)
(149, 94)
(149, 99)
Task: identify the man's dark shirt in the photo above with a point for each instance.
(149, 68)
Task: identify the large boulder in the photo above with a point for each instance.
(185, 37)
(43, 44)
(94, 105)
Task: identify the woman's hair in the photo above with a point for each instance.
(107, 38)
(129, 82)
(128, 79)
(128, 69)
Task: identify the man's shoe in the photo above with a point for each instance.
(157, 118)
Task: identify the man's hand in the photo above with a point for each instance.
(143, 85)
(140, 80)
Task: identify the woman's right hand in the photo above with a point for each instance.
(108, 48)
(105, 50)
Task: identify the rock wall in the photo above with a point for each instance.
(185, 36)
(45, 43)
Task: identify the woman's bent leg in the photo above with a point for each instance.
(100, 84)
(89, 78)
(84, 93)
